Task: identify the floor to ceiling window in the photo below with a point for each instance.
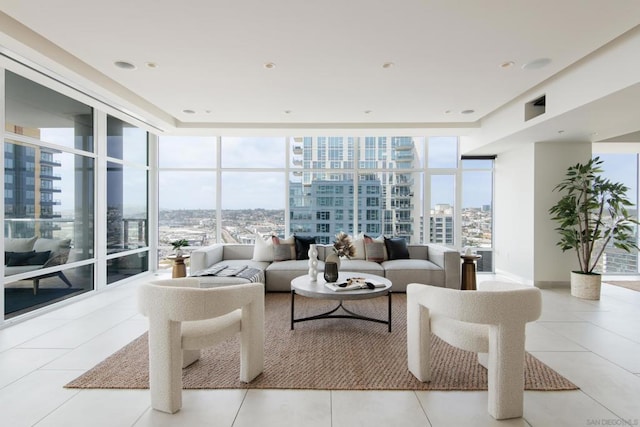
(317, 186)
(127, 207)
(477, 209)
(621, 168)
(49, 173)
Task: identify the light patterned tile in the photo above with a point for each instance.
(199, 408)
(376, 409)
(285, 408)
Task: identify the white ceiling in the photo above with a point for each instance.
(328, 55)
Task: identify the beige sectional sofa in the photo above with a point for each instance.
(431, 264)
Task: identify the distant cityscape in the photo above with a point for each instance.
(198, 226)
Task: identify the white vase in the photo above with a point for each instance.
(332, 257)
(586, 286)
(313, 262)
(179, 252)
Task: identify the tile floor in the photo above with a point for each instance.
(596, 344)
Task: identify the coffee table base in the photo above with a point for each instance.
(329, 314)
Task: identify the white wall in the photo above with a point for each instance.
(551, 265)
(513, 201)
(525, 237)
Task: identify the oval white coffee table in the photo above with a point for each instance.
(303, 285)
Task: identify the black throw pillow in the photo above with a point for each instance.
(19, 258)
(302, 246)
(396, 248)
(39, 258)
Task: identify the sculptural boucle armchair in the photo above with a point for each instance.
(491, 320)
(184, 318)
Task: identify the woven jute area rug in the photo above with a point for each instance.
(629, 284)
(330, 354)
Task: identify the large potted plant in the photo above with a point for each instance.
(592, 214)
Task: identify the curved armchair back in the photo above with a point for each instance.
(182, 300)
(489, 307)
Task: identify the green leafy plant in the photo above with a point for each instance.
(591, 214)
(177, 244)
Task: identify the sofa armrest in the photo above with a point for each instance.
(449, 260)
(205, 257)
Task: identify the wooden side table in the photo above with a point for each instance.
(469, 272)
(179, 268)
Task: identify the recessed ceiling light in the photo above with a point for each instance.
(447, 111)
(536, 64)
(560, 131)
(124, 65)
(269, 65)
(467, 111)
(188, 111)
(287, 111)
(507, 64)
(207, 111)
(151, 64)
(388, 65)
(367, 111)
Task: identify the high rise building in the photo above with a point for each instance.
(29, 189)
(442, 224)
(322, 203)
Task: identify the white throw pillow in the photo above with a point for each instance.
(19, 244)
(262, 250)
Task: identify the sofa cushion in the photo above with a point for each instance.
(19, 244)
(302, 246)
(361, 266)
(401, 272)
(280, 274)
(10, 271)
(263, 250)
(396, 248)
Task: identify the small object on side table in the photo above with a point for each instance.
(469, 271)
(179, 268)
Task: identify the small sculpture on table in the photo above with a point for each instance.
(313, 262)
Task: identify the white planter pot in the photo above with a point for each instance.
(586, 286)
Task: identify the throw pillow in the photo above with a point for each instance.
(19, 258)
(302, 246)
(397, 248)
(358, 244)
(19, 244)
(262, 250)
(374, 250)
(54, 245)
(38, 258)
(283, 249)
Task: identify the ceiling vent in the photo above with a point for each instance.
(535, 108)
